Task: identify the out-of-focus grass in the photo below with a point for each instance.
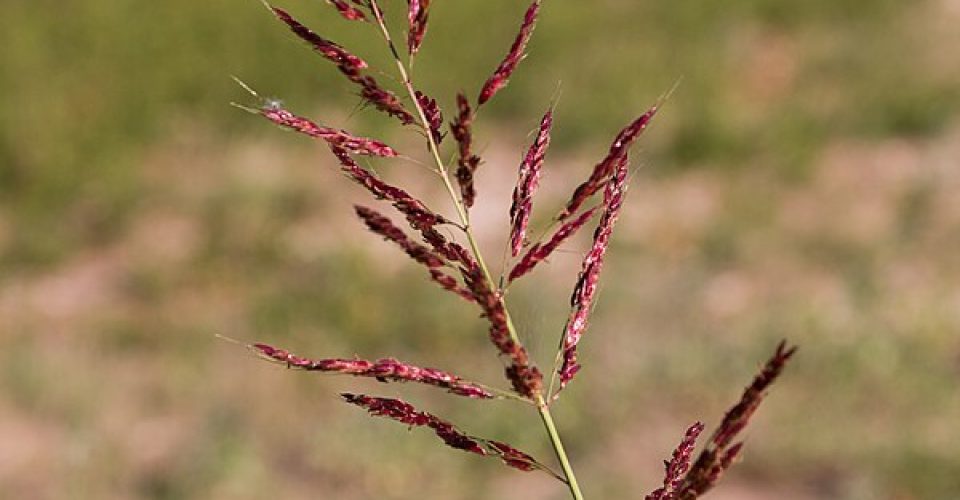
(802, 187)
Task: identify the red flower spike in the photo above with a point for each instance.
(381, 225)
(607, 167)
(347, 11)
(351, 66)
(514, 457)
(432, 259)
(719, 455)
(339, 138)
(405, 413)
(586, 288)
(678, 465)
(433, 114)
(418, 12)
(416, 212)
(527, 380)
(329, 50)
(502, 74)
(462, 129)
(384, 370)
(539, 252)
(527, 184)
(382, 99)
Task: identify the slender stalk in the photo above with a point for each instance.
(547, 418)
(464, 216)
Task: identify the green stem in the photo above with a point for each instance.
(547, 418)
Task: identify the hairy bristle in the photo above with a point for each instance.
(540, 251)
(340, 138)
(719, 454)
(586, 288)
(607, 167)
(502, 74)
(527, 183)
(384, 370)
(467, 161)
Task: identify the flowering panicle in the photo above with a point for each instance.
(418, 11)
(434, 243)
(348, 11)
(433, 114)
(416, 212)
(585, 291)
(678, 465)
(529, 180)
(719, 454)
(467, 161)
(384, 370)
(406, 413)
(540, 251)
(502, 74)
(351, 66)
(606, 168)
(525, 377)
(340, 138)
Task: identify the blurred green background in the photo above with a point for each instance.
(802, 183)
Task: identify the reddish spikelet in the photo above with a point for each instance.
(529, 180)
(606, 168)
(347, 11)
(418, 12)
(526, 378)
(339, 138)
(462, 129)
(539, 252)
(405, 413)
(433, 114)
(739, 415)
(351, 66)
(384, 370)
(678, 465)
(380, 98)
(432, 259)
(451, 250)
(514, 457)
(329, 50)
(585, 291)
(719, 454)
(416, 212)
(450, 283)
(381, 225)
(502, 74)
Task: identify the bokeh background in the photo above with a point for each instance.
(801, 183)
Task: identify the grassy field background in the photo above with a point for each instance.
(801, 183)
